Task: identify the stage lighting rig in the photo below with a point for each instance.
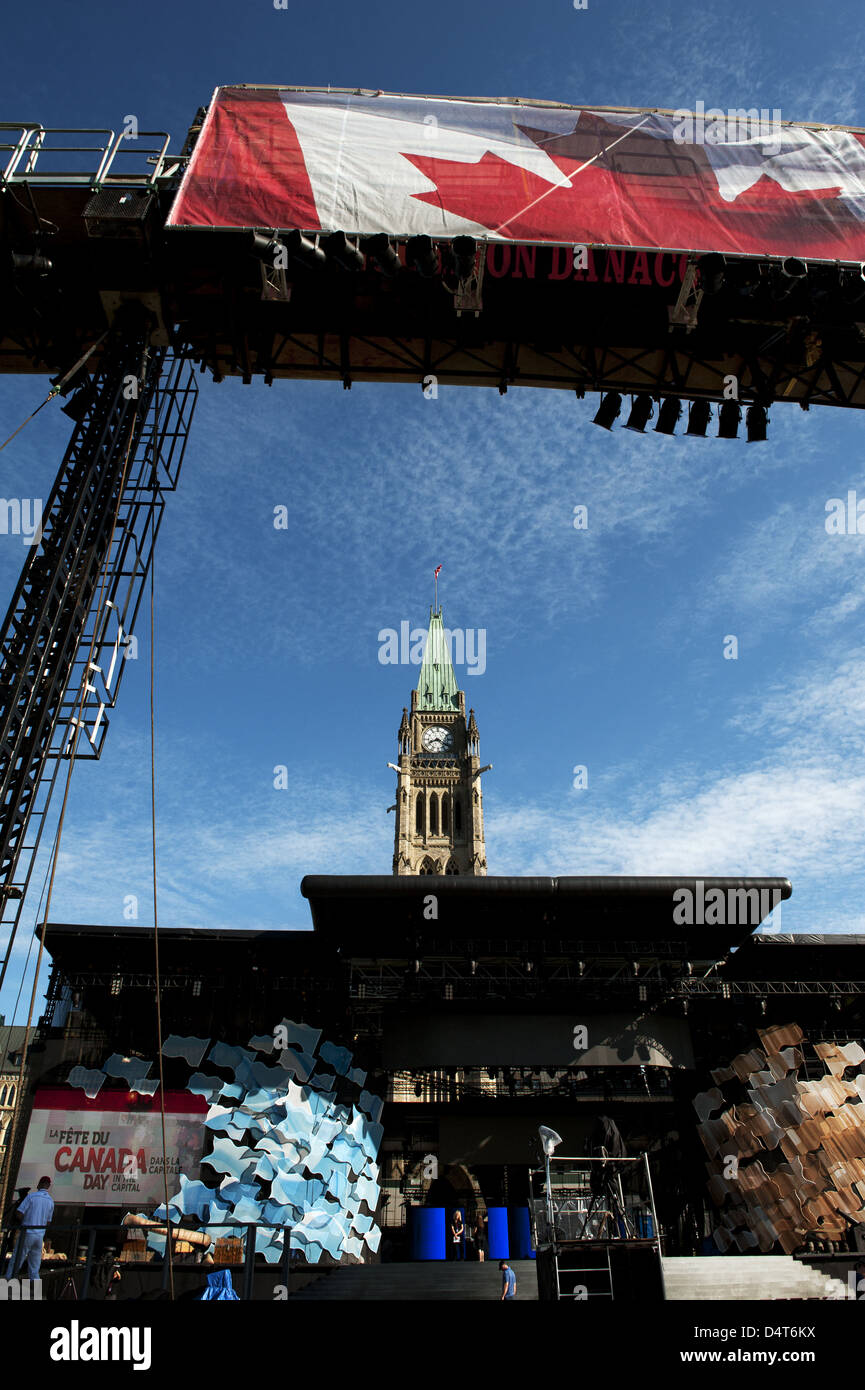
(852, 285)
(380, 251)
(609, 410)
(347, 254)
(668, 416)
(303, 249)
(729, 418)
(34, 264)
(641, 412)
(784, 278)
(421, 253)
(699, 416)
(268, 249)
(756, 420)
(464, 248)
(80, 401)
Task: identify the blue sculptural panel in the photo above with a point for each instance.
(284, 1150)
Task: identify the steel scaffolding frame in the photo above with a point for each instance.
(67, 633)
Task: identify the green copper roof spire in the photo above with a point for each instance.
(437, 685)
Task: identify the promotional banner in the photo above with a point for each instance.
(742, 181)
(108, 1151)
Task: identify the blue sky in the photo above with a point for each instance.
(604, 647)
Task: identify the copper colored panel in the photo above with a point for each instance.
(782, 1035)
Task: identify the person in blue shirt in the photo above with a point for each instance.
(509, 1281)
(34, 1214)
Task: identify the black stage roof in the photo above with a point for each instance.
(368, 914)
(588, 907)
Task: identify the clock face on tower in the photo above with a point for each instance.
(436, 739)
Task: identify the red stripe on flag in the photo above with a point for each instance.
(248, 169)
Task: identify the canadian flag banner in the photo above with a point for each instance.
(742, 182)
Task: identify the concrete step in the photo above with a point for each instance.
(456, 1281)
(739, 1278)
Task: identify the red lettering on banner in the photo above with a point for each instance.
(659, 266)
(616, 264)
(497, 271)
(641, 269)
(561, 274)
(61, 1153)
(527, 258)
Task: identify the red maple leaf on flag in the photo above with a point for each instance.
(646, 192)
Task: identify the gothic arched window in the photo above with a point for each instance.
(452, 867)
(427, 867)
(418, 814)
(433, 814)
(445, 815)
(458, 816)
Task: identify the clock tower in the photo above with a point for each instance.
(439, 802)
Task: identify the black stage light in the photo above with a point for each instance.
(668, 416)
(80, 401)
(784, 278)
(609, 410)
(729, 417)
(266, 248)
(421, 253)
(346, 253)
(698, 418)
(302, 248)
(641, 413)
(38, 264)
(464, 248)
(852, 284)
(380, 250)
(712, 272)
(756, 420)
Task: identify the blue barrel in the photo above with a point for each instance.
(520, 1233)
(427, 1233)
(497, 1233)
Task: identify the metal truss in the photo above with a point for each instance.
(759, 989)
(69, 628)
(383, 981)
(693, 372)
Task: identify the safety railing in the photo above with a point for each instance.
(37, 154)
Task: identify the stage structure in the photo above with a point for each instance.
(357, 236)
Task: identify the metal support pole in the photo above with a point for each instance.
(88, 1262)
(249, 1264)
